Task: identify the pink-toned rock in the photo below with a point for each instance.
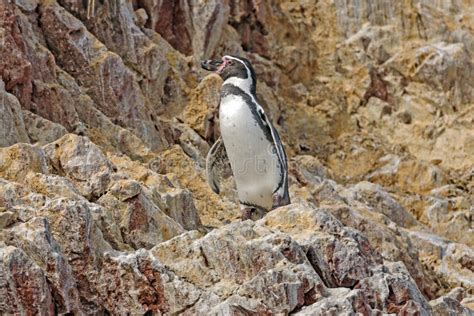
(35, 238)
(111, 85)
(15, 69)
(24, 288)
(190, 27)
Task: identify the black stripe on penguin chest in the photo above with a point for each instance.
(258, 117)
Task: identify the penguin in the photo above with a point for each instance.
(248, 140)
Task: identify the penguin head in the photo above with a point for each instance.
(236, 69)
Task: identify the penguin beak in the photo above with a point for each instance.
(213, 65)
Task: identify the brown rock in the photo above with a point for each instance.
(203, 107)
(20, 159)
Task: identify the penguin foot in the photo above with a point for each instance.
(277, 199)
(247, 212)
(252, 212)
(280, 200)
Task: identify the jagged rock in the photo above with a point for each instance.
(81, 161)
(392, 289)
(35, 238)
(378, 200)
(24, 287)
(308, 170)
(391, 241)
(12, 124)
(122, 100)
(450, 304)
(40, 130)
(170, 197)
(341, 255)
(249, 260)
(17, 161)
(212, 208)
(450, 261)
(190, 27)
(341, 300)
(246, 259)
(201, 110)
(141, 223)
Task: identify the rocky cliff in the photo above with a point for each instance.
(106, 119)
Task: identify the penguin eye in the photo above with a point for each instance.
(230, 62)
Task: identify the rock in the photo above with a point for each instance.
(341, 300)
(179, 205)
(246, 266)
(224, 265)
(447, 67)
(394, 290)
(141, 17)
(199, 26)
(24, 286)
(391, 241)
(12, 124)
(125, 189)
(21, 159)
(36, 238)
(308, 170)
(341, 255)
(170, 197)
(450, 304)
(27, 5)
(82, 162)
(137, 273)
(7, 218)
(213, 210)
(40, 130)
(121, 100)
(204, 105)
(142, 224)
(379, 201)
(450, 261)
(16, 70)
(192, 144)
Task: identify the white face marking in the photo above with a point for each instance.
(243, 84)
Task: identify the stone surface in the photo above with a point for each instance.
(106, 119)
(12, 124)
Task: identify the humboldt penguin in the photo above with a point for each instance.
(249, 141)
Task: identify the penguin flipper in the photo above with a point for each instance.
(216, 164)
(282, 193)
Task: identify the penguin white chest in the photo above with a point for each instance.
(252, 155)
